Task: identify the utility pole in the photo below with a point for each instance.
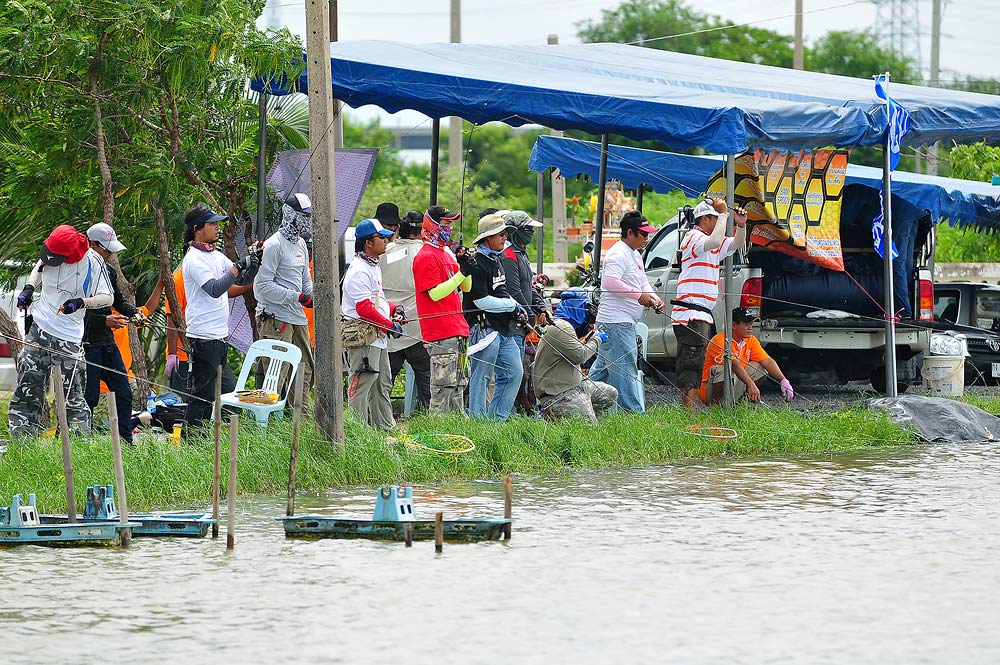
(326, 238)
(932, 151)
(455, 125)
(559, 249)
(338, 122)
(797, 59)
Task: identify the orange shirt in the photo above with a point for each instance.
(182, 355)
(747, 351)
(121, 341)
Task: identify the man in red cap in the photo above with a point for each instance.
(625, 292)
(437, 279)
(73, 278)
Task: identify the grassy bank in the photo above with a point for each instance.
(163, 476)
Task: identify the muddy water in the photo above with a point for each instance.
(878, 558)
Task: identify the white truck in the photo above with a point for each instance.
(787, 293)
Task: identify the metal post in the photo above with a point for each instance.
(455, 123)
(935, 82)
(727, 286)
(435, 148)
(67, 454)
(638, 197)
(797, 59)
(560, 252)
(599, 229)
(890, 295)
(261, 162)
(540, 214)
(326, 235)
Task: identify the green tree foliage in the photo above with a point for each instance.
(977, 161)
(635, 21)
(858, 54)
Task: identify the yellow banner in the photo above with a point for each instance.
(792, 201)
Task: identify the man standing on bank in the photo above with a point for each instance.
(398, 282)
(209, 278)
(370, 377)
(703, 250)
(73, 280)
(104, 360)
(437, 279)
(625, 291)
(284, 288)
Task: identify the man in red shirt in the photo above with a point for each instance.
(437, 279)
(750, 364)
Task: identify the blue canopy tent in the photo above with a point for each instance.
(961, 202)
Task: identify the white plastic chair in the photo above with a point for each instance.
(279, 354)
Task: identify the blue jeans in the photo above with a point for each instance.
(617, 364)
(503, 356)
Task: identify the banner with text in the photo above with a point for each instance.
(792, 201)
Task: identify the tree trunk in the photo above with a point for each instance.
(167, 275)
(107, 185)
(140, 364)
(8, 328)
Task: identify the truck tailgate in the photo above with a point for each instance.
(807, 333)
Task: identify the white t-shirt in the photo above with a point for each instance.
(206, 317)
(699, 279)
(86, 278)
(624, 263)
(363, 281)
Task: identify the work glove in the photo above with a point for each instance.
(139, 319)
(305, 301)
(398, 314)
(247, 262)
(172, 363)
(786, 390)
(396, 331)
(71, 305)
(25, 297)
(603, 336)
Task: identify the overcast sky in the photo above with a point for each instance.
(969, 44)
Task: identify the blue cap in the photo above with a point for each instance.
(369, 227)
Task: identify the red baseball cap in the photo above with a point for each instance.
(634, 221)
(64, 245)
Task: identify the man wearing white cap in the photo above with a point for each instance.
(283, 286)
(704, 249)
(104, 360)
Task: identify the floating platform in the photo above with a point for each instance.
(393, 512)
(101, 507)
(20, 525)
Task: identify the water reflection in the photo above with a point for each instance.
(885, 556)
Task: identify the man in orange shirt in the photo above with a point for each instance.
(750, 364)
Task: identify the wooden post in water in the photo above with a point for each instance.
(116, 447)
(439, 532)
(217, 411)
(408, 534)
(293, 462)
(234, 441)
(67, 455)
(508, 501)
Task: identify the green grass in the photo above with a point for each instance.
(159, 475)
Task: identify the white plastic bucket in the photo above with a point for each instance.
(944, 375)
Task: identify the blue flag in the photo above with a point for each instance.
(899, 124)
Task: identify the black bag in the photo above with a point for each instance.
(167, 416)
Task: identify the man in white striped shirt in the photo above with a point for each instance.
(703, 250)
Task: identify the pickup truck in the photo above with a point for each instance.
(787, 293)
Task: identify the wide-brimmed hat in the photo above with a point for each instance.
(490, 225)
(64, 245)
(106, 237)
(368, 227)
(388, 214)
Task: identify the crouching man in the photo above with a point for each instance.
(559, 384)
(750, 364)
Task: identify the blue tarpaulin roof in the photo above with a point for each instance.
(682, 100)
(959, 201)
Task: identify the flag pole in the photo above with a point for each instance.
(887, 276)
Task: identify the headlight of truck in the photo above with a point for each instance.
(943, 344)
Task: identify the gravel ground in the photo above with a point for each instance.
(807, 397)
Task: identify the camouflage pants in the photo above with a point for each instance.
(590, 399)
(449, 374)
(41, 352)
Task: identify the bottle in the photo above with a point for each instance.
(150, 405)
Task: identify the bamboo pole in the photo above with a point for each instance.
(293, 462)
(234, 440)
(217, 407)
(508, 501)
(439, 532)
(67, 455)
(116, 446)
